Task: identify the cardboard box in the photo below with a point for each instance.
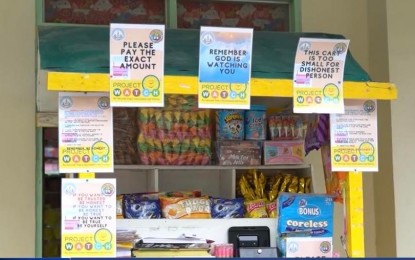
(284, 152)
(242, 153)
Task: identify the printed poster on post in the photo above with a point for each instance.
(137, 65)
(354, 137)
(88, 221)
(225, 67)
(318, 75)
(85, 133)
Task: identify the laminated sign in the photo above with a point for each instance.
(354, 137)
(85, 133)
(88, 218)
(225, 67)
(318, 75)
(137, 65)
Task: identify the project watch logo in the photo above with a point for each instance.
(308, 210)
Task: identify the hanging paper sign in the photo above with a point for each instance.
(354, 137)
(137, 65)
(318, 75)
(88, 221)
(225, 67)
(85, 133)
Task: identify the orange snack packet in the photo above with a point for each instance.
(185, 207)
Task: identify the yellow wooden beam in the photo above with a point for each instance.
(68, 81)
(354, 215)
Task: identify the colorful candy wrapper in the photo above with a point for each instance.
(271, 209)
(293, 186)
(246, 190)
(318, 132)
(259, 184)
(183, 207)
(308, 185)
(273, 187)
(301, 185)
(255, 209)
(284, 185)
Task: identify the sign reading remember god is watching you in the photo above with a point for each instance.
(85, 133)
(137, 65)
(88, 218)
(354, 137)
(318, 75)
(225, 67)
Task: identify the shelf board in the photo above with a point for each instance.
(212, 167)
(260, 87)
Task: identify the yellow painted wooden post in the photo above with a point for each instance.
(354, 215)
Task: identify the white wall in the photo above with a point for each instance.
(17, 129)
(383, 180)
(401, 38)
(351, 19)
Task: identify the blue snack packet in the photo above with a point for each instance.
(136, 207)
(227, 208)
(305, 213)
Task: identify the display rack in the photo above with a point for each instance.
(77, 59)
(217, 181)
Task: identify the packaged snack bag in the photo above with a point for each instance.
(185, 207)
(271, 209)
(255, 209)
(227, 208)
(136, 207)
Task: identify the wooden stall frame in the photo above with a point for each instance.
(71, 81)
(68, 81)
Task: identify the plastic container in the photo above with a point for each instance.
(230, 124)
(255, 123)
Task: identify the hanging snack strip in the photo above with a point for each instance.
(178, 134)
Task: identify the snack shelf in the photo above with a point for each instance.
(216, 181)
(211, 167)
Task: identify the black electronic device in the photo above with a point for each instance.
(248, 237)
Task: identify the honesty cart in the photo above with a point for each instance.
(76, 59)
